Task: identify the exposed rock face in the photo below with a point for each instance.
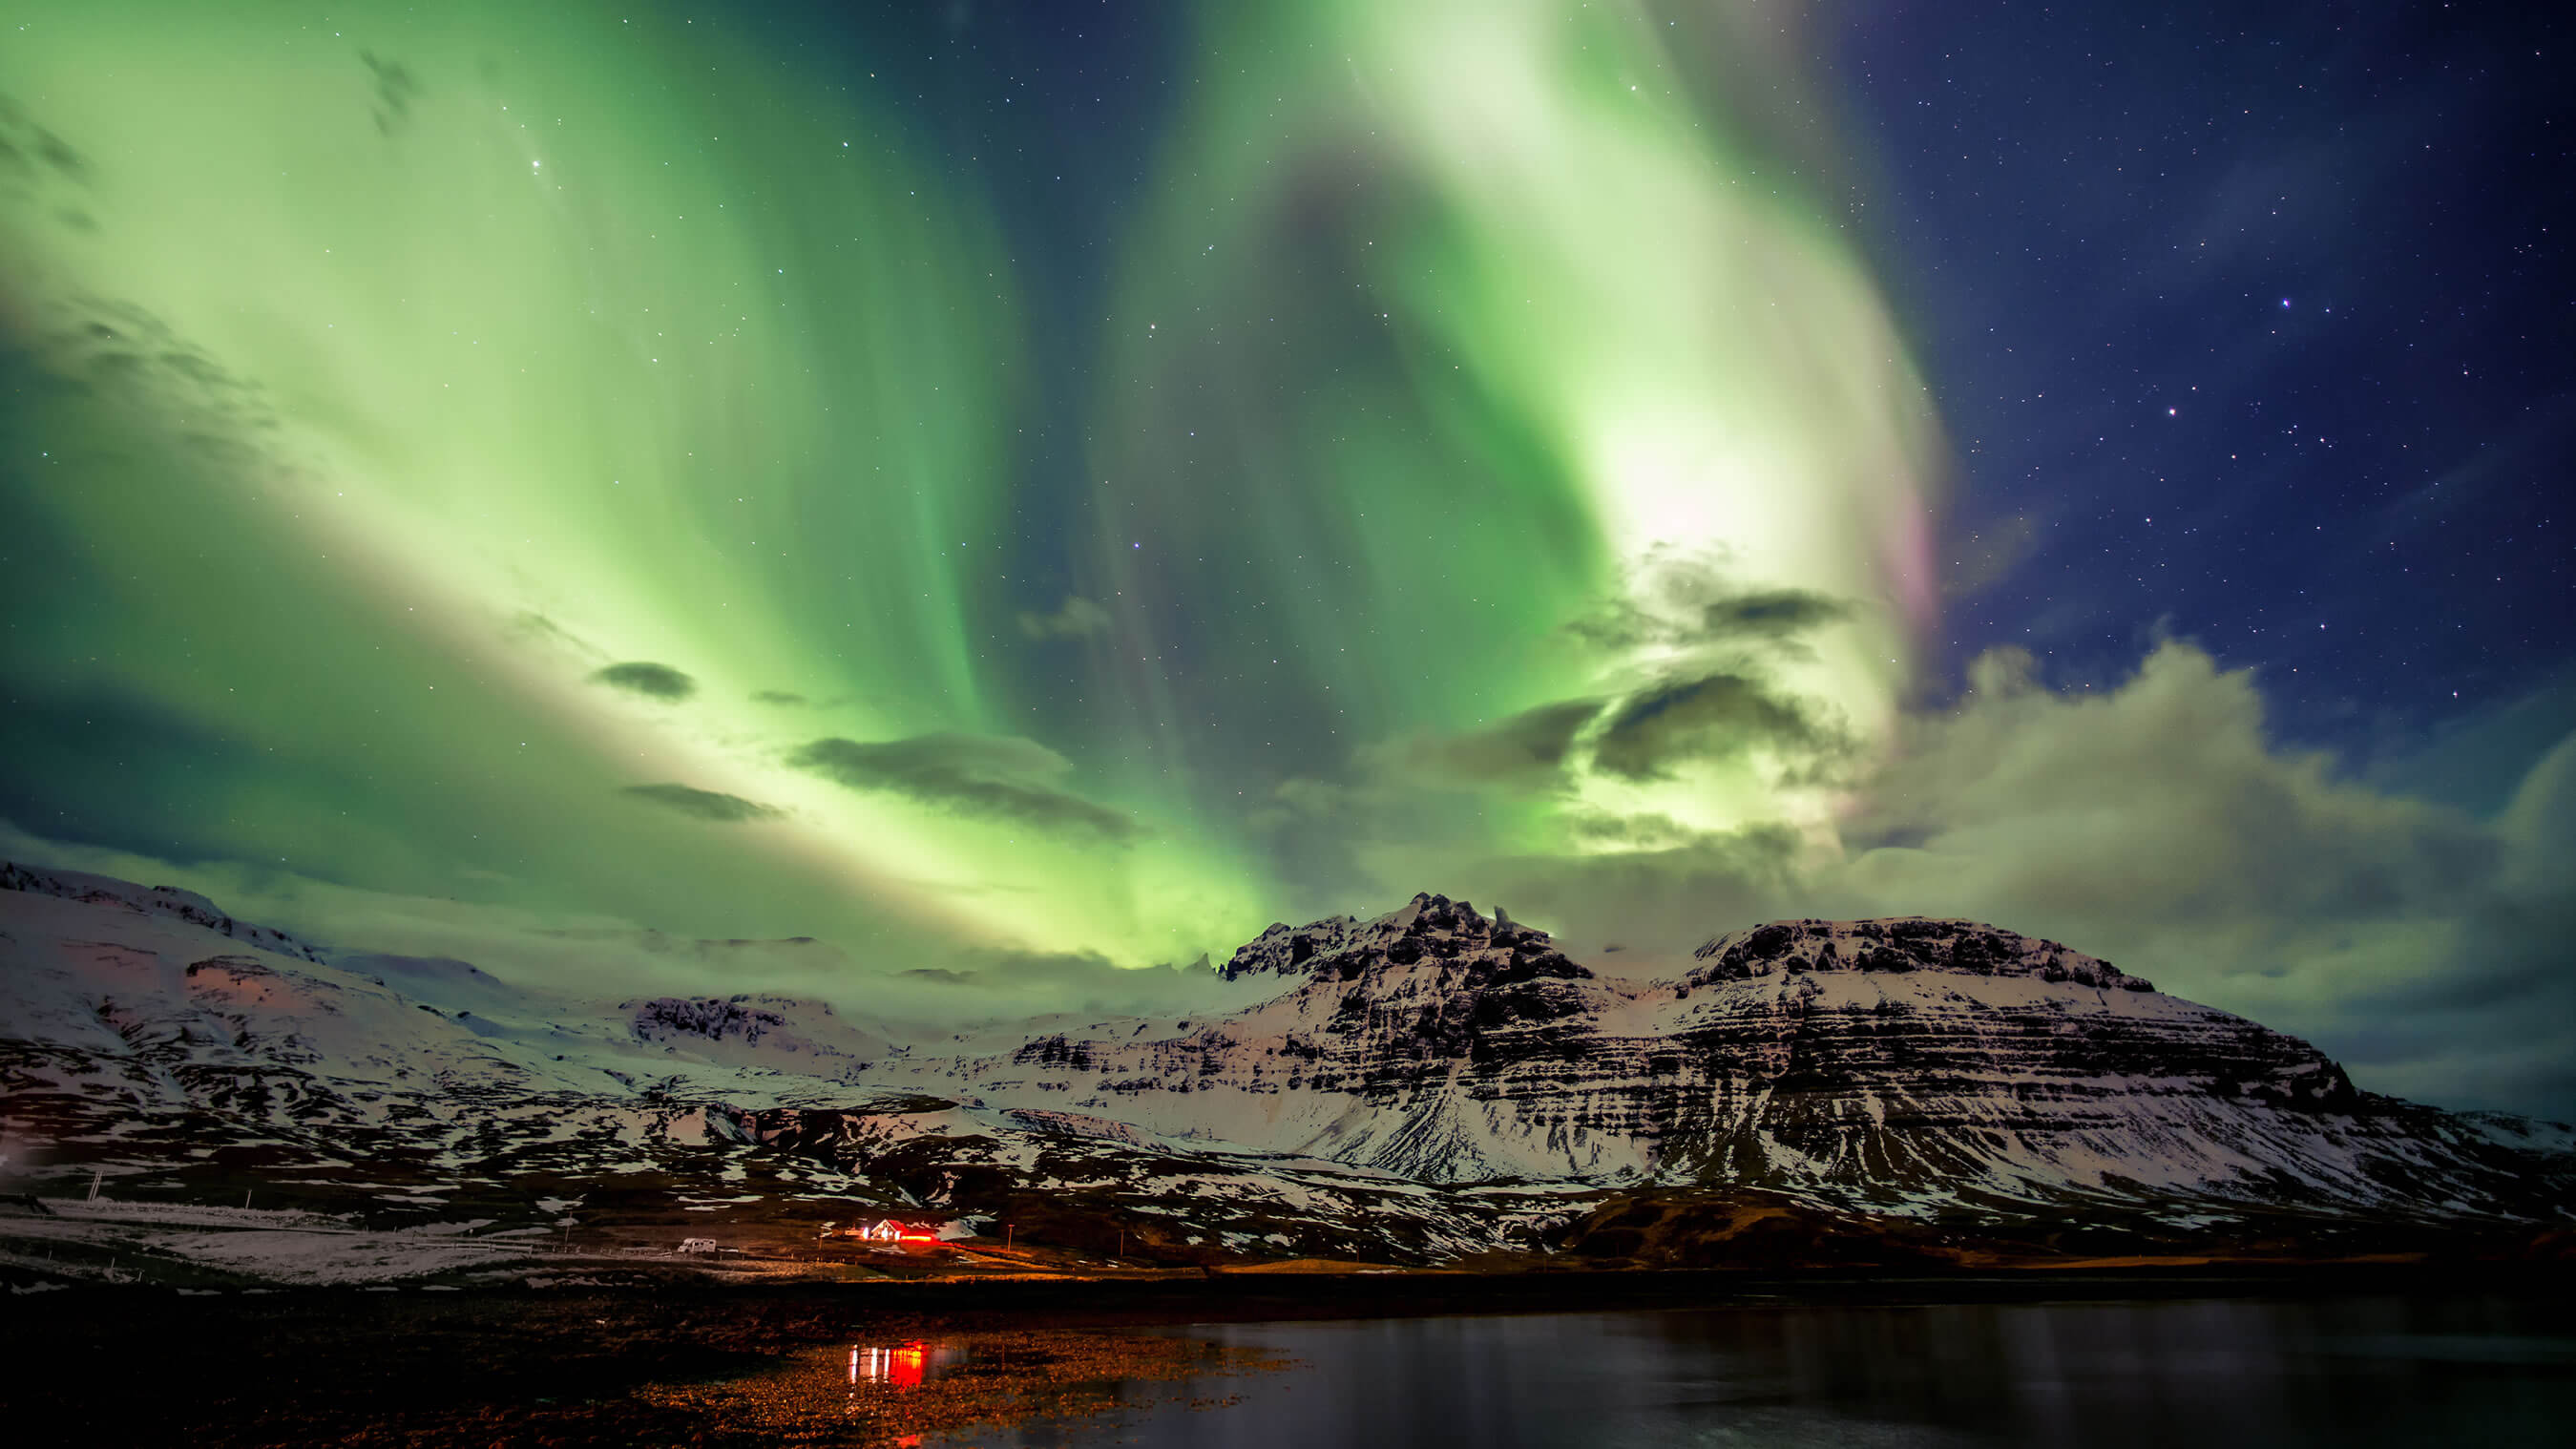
(715, 1018)
(1909, 943)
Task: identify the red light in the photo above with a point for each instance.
(902, 1367)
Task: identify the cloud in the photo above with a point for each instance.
(1713, 696)
(2420, 943)
(1003, 777)
(704, 804)
(1528, 750)
(780, 697)
(1079, 618)
(654, 681)
(2161, 794)
(1714, 716)
(1770, 614)
(395, 88)
(529, 626)
(1687, 602)
(21, 138)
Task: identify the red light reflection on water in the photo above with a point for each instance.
(904, 1365)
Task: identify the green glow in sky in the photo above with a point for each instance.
(565, 455)
(1467, 320)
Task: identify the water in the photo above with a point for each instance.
(2203, 1375)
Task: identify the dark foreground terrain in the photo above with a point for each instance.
(671, 1362)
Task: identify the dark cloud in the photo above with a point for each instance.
(1770, 614)
(704, 804)
(1529, 749)
(998, 776)
(1715, 716)
(782, 697)
(395, 88)
(1079, 618)
(1650, 830)
(1691, 604)
(529, 626)
(642, 676)
(59, 155)
(119, 350)
(21, 137)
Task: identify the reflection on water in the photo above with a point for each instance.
(877, 1394)
(2207, 1375)
(904, 1365)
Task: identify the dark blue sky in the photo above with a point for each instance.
(2252, 324)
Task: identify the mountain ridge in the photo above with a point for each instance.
(1432, 1080)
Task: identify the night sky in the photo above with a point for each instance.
(1019, 491)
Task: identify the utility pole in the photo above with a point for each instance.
(1009, 1232)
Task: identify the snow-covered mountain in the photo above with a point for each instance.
(1899, 1065)
(1424, 1085)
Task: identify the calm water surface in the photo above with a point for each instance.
(2204, 1375)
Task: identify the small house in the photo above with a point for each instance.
(698, 1245)
(899, 1230)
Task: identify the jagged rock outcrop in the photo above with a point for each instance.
(1429, 925)
(715, 1018)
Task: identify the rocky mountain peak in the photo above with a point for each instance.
(1427, 928)
(1898, 944)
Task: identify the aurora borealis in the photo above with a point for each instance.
(624, 468)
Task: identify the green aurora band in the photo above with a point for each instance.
(1467, 320)
(555, 456)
